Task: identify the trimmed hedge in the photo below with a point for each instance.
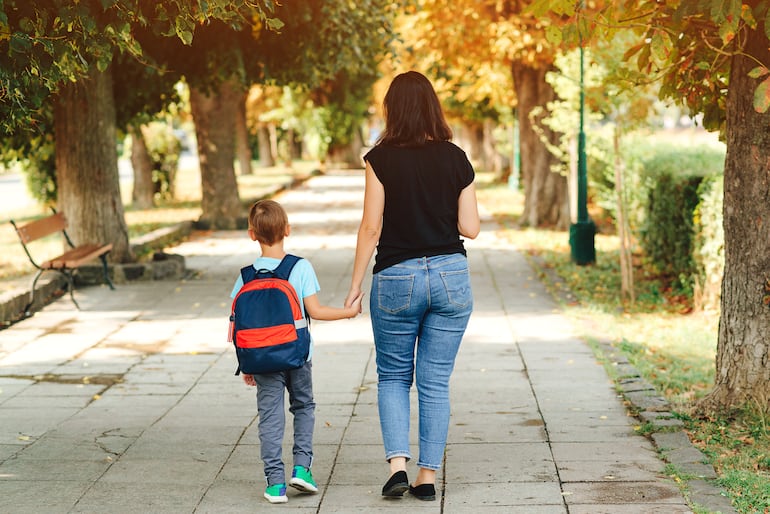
(673, 193)
(708, 244)
(669, 235)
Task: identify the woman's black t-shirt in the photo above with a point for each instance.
(422, 186)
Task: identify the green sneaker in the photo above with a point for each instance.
(276, 493)
(302, 479)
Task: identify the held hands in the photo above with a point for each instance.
(354, 304)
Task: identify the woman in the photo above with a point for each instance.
(419, 200)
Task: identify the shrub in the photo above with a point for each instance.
(40, 172)
(708, 244)
(668, 231)
(673, 197)
(675, 173)
(164, 148)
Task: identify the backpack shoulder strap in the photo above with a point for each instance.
(248, 273)
(287, 264)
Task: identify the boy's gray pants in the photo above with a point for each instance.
(272, 419)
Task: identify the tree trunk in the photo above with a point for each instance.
(743, 348)
(546, 195)
(293, 147)
(495, 161)
(87, 164)
(473, 137)
(356, 148)
(348, 155)
(624, 234)
(143, 194)
(214, 117)
(266, 154)
(242, 136)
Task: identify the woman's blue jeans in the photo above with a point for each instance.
(419, 310)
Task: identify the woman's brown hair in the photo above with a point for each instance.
(413, 114)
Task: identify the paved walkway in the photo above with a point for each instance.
(131, 406)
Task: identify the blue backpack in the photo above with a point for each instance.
(267, 325)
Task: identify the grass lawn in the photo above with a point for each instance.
(672, 346)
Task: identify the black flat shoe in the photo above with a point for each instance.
(424, 492)
(396, 485)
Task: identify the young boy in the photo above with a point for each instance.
(269, 225)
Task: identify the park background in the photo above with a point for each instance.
(132, 117)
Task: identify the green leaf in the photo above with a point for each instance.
(19, 42)
(103, 62)
(725, 11)
(747, 15)
(727, 32)
(538, 8)
(562, 8)
(26, 25)
(767, 23)
(184, 30)
(762, 97)
(758, 72)
(274, 24)
(660, 46)
(553, 35)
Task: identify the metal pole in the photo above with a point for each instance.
(582, 174)
(581, 234)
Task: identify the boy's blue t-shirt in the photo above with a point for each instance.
(302, 278)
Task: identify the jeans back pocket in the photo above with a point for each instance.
(394, 293)
(458, 287)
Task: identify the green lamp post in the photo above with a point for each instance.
(581, 233)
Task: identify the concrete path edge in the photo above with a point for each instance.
(700, 480)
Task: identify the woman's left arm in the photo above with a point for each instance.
(468, 222)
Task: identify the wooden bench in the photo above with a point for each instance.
(66, 263)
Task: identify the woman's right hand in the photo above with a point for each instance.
(353, 295)
(356, 305)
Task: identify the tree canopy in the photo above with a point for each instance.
(685, 46)
(45, 46)
(56, 79)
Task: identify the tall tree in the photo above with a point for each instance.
(140, 93)
(342, 104)
(314, 43)
(743, 349)
(87, 162)
(714, 57)
(262, 100)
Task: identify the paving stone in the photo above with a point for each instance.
(705, 493)
(610, 492)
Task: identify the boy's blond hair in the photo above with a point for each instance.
(268, 221)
